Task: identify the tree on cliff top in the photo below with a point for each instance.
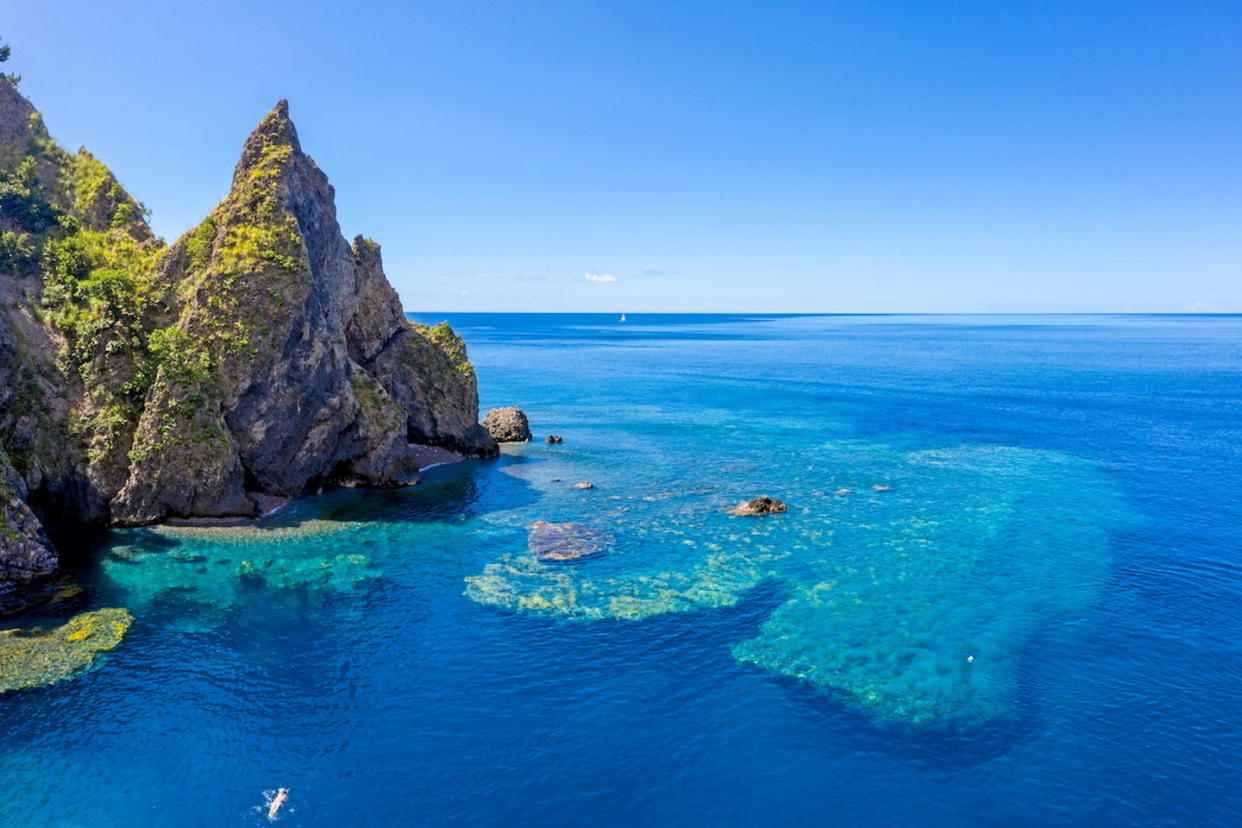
(5, 51)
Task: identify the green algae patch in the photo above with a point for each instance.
(40, 658)
(913, 602)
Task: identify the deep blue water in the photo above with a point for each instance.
(1038, 623)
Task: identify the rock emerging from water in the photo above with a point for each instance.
(585, 484)
(555, 439)
(565, 541)
(507, 425)
(762, 505)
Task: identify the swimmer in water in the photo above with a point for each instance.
(278, 801)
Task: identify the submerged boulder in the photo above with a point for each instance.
(507, 425)
(762, 505)
(565, 541)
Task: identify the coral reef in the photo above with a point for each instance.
(913, 606)
(341, 572)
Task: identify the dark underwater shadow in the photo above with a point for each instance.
(832, 723)
(449, 493)
(455, 492)
(710, 633)
(73, 587)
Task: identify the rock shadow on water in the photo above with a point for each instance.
(305, 556)
(460, 492)
(456, 492)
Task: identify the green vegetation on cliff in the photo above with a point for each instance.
(453, 346)
(65, 219)
(244, 258)
(139, 380)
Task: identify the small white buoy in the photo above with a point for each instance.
(970, 658)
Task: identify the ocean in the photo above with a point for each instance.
(1007, 591)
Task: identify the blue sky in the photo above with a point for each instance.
(662, 156)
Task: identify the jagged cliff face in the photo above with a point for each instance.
(259, 354)
(294, 366)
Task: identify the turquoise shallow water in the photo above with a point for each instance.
(1033, 621)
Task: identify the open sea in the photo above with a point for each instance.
(1007, 592)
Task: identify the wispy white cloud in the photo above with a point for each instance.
(599, 277)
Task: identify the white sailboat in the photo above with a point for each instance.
(622, 317)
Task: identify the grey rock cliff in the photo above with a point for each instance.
(314, 375)
(25, 551)
(261, 354)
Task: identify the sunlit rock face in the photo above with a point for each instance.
(261, 354)
(507, 424)
(297, 363)
(912, 603)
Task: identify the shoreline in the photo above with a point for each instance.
(428, 457)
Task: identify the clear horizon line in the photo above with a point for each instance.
(833, 313)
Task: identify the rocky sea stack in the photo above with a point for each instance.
(762, 505)
(507, 425)
(260, 354)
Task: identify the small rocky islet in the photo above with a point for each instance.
(762, 505)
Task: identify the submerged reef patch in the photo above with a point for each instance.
(913, 605)
(341, 572)
(523, 582)
(37, 658)
(217, 571)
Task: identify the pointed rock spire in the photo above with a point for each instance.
(272, 144)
